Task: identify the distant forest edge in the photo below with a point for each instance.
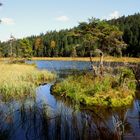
(116, 37)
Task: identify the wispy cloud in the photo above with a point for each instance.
(114, 15)
(62, 18)
(8, 21)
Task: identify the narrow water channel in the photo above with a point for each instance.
(47, 117)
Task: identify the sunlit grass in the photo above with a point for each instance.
(107, 59)
(18, 81)
(105, 91)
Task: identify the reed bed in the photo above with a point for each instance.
(20, 80)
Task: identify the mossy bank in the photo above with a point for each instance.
(107, 91)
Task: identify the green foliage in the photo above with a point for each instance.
(100, 35)
(26, 48)
(126, 76)
(38, 47)
(85, 89)
(110, 37)
(78, 41)
(131, 28)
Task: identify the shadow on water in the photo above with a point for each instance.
(46, 117)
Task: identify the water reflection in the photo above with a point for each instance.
(47, 118)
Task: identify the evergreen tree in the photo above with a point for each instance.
(26, 48)
(110, 37)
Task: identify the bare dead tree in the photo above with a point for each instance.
(92, 65)
(101, 67)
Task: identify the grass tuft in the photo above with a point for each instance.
(20, 80)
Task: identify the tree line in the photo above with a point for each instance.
(117, 37)
(130, 26)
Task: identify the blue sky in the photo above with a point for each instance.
(32, 17)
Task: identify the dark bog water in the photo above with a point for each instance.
(47, 117)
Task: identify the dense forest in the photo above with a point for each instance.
(117, 37)
(130, 26)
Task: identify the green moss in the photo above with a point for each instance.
(105, 91)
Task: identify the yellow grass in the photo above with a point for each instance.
(18, 81)
(107, 59)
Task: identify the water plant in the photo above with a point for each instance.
(113, 91)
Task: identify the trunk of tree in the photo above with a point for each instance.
(92, 66)
(101, 67)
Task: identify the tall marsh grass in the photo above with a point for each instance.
(20, 80)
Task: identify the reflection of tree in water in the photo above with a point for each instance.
(74, 125)
(121, 125)
(40, 121)
(137, 107)
(4, 135)
(4, 131)
(109, 124)
(100, 123)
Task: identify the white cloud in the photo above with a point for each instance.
(62, 18)
(114, 15)
(7, 21)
